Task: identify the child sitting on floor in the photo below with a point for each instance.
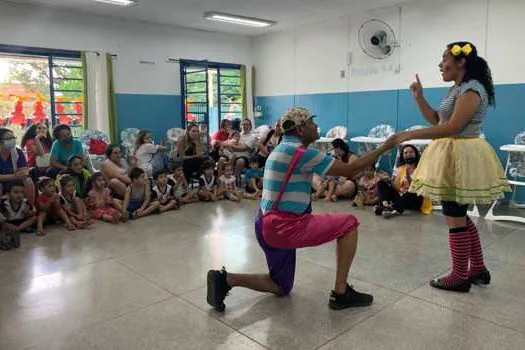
(253, 178)
(180, 185)
(207, 184)
(228, 185)
(48, 207)
(137, 200)
(101, 205)
(163, 192)
(18, 213)
(75, 168)
(71, 204)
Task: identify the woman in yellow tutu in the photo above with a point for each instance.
(459, 168)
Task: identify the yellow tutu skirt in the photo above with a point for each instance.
(463, 170)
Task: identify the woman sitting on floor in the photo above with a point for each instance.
(394, 197)
(116, 170)
(333, 188)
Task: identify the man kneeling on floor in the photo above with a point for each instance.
(285, 221)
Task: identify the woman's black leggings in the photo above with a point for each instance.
(454, 209)
(399, 202)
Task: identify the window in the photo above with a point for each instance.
(230, 94)
(211, 92)
(40, 85)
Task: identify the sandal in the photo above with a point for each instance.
(40, 233)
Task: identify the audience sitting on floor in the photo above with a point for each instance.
(128, 189)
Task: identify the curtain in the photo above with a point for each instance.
(86, 88)
(112, 103)
(243, 92)
(100, 96)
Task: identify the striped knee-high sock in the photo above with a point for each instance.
(460, 245)
(476, 254)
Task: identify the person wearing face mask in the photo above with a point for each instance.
(394, 197)
(64, 147)
(13, 165)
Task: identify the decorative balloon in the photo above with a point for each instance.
(17, 115)
(62, 117)
(39, 116)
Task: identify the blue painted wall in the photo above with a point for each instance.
(360, 111)
(157, 113)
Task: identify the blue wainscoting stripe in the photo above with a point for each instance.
(156, 113)
(360, 111)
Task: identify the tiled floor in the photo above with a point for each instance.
(142, 286)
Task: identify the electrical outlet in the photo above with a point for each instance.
(342, 74)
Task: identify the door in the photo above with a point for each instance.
(194, 79)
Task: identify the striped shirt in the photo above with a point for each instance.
(445, 110)
(297, 193)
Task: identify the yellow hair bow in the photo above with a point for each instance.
(456, 50)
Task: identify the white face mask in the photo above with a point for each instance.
(10, 144)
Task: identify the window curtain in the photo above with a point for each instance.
(85, 80)
(112, 103)
(243, 91)
(100, 95)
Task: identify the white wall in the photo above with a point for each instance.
(131, 41)
(309, 59)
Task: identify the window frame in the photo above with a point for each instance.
(50, 54)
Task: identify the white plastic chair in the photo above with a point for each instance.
(381, 131)
(261, 131)
(338, 132)
(94, 160)
(128, 137)
(173, 135)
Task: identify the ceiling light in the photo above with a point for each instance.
(240, 20)
(119, 2)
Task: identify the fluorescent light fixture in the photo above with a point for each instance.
(119, 2)
(240, 20)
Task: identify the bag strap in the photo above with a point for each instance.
(295, 160)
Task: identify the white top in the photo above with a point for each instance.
(144, 155)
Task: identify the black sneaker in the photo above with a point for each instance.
(218, 288)
(378, 209)
(5, 244)
(15, 239)
(351, 298)
(390, 213)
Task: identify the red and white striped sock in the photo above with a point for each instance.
(460, 245)
(476, 254)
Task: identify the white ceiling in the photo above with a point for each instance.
(189, 13)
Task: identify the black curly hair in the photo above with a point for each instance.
(476, 68)
(401, 160)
